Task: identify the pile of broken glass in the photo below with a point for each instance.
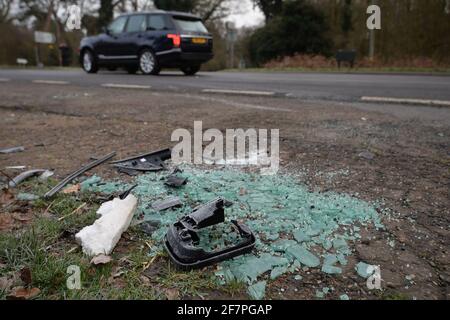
(296, 229)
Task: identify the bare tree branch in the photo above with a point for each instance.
(5, 7)
(214, 7)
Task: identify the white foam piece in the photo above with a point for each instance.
(102, 236)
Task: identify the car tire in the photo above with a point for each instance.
(148, 64)
(190, 70)
(89, 62)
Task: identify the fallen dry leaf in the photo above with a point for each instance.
(21, 293)
(72, 189)
(101, 259)
(25, 276)
(172, 294)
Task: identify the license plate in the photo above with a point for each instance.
(199, 40)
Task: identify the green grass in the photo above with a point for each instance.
(44, 247)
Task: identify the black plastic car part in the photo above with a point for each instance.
(181, 241)
(165, 204)
(175, 181)
(153, 161)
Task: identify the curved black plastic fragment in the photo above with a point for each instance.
(182, 239)
(78, 173)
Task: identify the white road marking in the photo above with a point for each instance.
(239, 92)
(233, 103)
(4, 80)
(50, 82)
(125, 86)
(425, 102)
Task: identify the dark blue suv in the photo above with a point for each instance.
(148, 42)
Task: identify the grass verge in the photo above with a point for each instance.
(47, 247)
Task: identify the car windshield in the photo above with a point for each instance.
(186, 24)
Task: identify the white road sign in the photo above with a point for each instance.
(44, 37)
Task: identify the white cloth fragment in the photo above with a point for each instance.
(102, 236)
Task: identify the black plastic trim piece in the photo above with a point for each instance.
(78, 173)
(153, 161)
(182, 239)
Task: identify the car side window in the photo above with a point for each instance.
(117, 25)
(136, 23)
(157, 22)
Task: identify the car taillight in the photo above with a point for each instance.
(176, 39)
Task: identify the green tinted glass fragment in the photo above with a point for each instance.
(257, 291)
(303, 255)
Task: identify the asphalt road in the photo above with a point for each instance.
(314, 86)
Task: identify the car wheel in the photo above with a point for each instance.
(190, 70)
(88, 62)
(148, 64)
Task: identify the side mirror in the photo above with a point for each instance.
(105, 30)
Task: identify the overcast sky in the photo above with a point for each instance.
(246, 14)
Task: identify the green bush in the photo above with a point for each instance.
(299, 28)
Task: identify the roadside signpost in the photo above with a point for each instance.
(22, 62)
(44, 37)
(41, 37)
(231, 39)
